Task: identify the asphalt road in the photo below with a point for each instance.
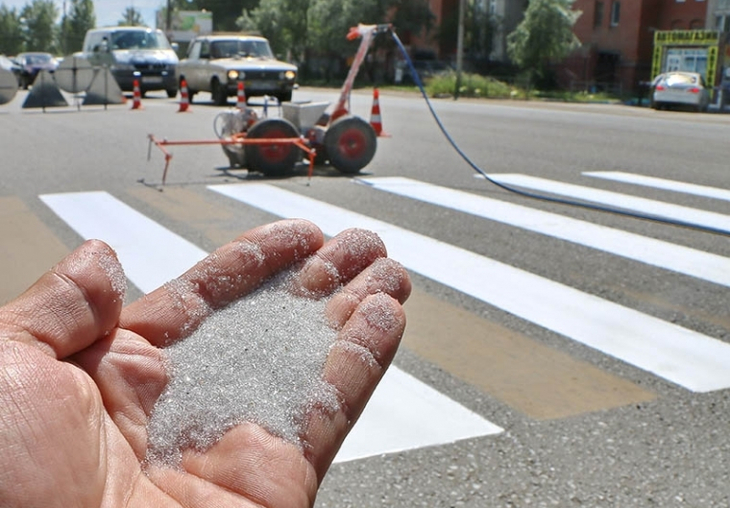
(595, 344)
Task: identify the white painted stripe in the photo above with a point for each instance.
(661, 183)
(403, 413)
(150, 254)
(668, 256)
(687, 358)
(684, 214)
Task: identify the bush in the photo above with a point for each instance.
(472, 85)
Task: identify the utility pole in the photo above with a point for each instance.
(168, 21)
(460, 48)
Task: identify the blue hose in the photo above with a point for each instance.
(480, 171)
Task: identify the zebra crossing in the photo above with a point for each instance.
(406, 413)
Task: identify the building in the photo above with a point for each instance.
(617, 39)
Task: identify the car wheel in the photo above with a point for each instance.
(218, 93)
(172, 93)
(284, 97)
(350, 143)
(272, 159)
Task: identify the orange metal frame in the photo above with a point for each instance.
(236, 139)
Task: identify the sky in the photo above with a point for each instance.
(108, 12)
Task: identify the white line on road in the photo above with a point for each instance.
(687, 358)
(669, 211)
(403, 413)
(150, 254)
(669, 256)
(661, 183)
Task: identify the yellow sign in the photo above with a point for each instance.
(688, 37)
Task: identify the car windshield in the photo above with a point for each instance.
(37, 59)
(247, 48)
(135, 39)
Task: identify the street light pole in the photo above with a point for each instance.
(168, 22)
(460, 48)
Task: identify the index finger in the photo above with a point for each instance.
(177, 308)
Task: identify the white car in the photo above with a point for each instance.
(217, 63)
(675, 89)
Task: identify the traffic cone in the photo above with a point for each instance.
(136, 96)
(184, 97)
(241, 97)
(375, 120)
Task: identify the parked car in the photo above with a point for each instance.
(31, 64)
(216, 63)
(134, 53)
(9, 64)
(680, 89)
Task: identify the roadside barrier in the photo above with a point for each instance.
(184, 97)
(241, 96)
(136, 96)
(375, 119)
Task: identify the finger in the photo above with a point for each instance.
(177, 308)
(70, 306)
(251, 462)
(356, 362)
(383, 276)
(338, 261)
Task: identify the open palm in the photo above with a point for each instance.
(80, 374)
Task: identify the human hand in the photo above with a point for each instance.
(79, 374)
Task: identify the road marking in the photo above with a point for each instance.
(537, 380)
(152, 255)
(668, 256)
(687, 358)
(29, 248)
(661, 183)
(406, 414)
(650, 207)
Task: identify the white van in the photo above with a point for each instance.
(134, 52)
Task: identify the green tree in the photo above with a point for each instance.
(11, 31)
(544, 36)
(81, 17)
(39, 24)
(131, 17)
(300, 28)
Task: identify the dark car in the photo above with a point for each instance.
(216, 64)
(31, 64)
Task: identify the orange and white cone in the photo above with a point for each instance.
(184, 97)
(375, 119)
(136, 96)
(241, 97)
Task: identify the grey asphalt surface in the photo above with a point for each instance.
(670, 451)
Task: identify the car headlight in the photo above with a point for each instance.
(234, 75)
(290, 75)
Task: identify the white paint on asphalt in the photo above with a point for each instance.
(403, 413)
(687, 358)
(150, 254)
(650, 207)
(669, 256)
(661, 183)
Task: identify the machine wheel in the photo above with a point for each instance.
(350, 143)
(273, 159)
(218, 93)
